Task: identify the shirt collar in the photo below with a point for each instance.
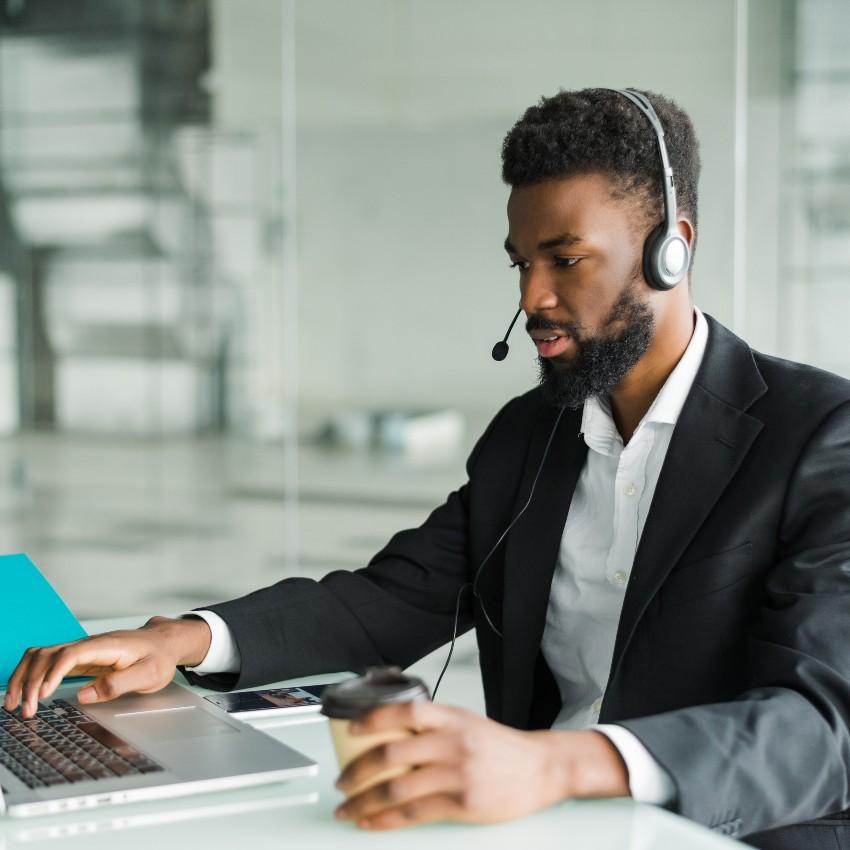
(597, 424)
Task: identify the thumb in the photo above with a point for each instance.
(138, 677)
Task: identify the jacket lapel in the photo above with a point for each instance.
(710, 441)
(531, 553)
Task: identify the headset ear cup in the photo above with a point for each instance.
(660, 247)
(652, 268)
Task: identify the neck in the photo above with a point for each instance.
(632, 397)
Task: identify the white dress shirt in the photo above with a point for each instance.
(223, 656)
(601, 535)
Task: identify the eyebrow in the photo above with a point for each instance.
(546, 244)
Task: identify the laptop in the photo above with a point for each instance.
(137, 747)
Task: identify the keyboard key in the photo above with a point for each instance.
(130, 753)
(99, 772)
(121, 768)
(102, 734)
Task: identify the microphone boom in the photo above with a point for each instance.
(501, 348)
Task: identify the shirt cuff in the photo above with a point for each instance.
(648, 781)
(223, 655)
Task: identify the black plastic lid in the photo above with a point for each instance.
(377, 686)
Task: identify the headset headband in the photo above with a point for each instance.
(642, 103)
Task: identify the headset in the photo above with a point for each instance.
(666, 258)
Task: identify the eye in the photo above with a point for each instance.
(522, 265)
(566, 262)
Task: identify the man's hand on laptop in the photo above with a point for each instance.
(139, 660)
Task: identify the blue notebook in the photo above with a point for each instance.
(31, 613)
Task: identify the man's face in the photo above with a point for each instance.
(579, 253)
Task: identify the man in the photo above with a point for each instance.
(677, 562)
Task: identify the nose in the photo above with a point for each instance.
(537, 292)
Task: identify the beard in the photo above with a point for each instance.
(603, 359)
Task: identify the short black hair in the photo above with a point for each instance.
(600, 130)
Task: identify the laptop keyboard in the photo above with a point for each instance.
(63, 744)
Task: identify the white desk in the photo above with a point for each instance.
(300, 814)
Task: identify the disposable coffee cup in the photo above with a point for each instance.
(351, 699)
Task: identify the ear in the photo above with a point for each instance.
(686, 230)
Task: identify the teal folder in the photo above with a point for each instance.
(31, 613)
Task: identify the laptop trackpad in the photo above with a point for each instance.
(171, 724)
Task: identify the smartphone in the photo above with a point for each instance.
(270, 702)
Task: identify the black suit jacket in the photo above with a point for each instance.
(732, 658)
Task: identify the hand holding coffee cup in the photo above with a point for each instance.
(353, 698)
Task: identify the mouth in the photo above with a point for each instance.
(550, 343)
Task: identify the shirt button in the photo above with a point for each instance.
(630, 490)
(621, 577)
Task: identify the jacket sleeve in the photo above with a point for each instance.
(394, 611)
(780, 752)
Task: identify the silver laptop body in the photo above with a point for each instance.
(166, 744)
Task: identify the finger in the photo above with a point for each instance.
(68, 663)
(50, 665)
(418, 715)
(401, 790)
(14, 687)
(54, 663)
(424, 810)
(40, 659)
(413, 751)
(142, 677)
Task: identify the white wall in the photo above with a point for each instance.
(402, 106)
(768, 99)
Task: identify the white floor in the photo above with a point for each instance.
(133, 527)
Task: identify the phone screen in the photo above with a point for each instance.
(304, 697)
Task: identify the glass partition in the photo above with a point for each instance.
(251, 265)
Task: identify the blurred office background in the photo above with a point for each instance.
(250, 262)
